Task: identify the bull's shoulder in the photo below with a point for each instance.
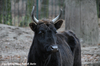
(67, 34)
(70, 37)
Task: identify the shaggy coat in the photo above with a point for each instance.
(69, 50)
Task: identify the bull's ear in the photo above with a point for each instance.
(58, 24)
(32, 26)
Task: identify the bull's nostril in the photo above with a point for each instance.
(54, 48)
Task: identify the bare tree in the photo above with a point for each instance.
(81, 17)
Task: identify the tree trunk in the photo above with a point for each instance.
(81, 17)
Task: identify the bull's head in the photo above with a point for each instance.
(45, 32)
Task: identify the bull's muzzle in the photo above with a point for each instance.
(54, 48)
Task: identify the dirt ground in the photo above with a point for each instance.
(16, 41)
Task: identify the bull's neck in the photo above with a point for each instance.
(45, 61)
(42, 59)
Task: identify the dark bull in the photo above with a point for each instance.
(50, 48)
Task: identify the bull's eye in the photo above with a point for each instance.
(41, 33)
(55, 31)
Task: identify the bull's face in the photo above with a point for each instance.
(45, 33)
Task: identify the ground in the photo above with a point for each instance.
(16, 41)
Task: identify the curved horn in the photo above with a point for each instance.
(55, 19)
(33, 17)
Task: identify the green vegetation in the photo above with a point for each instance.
(44, 9)
(24, 21)
(5, 11)
(98, 2)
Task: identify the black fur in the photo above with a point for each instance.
(69, 53)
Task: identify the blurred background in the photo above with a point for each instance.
(81, 16)
(17, 12)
